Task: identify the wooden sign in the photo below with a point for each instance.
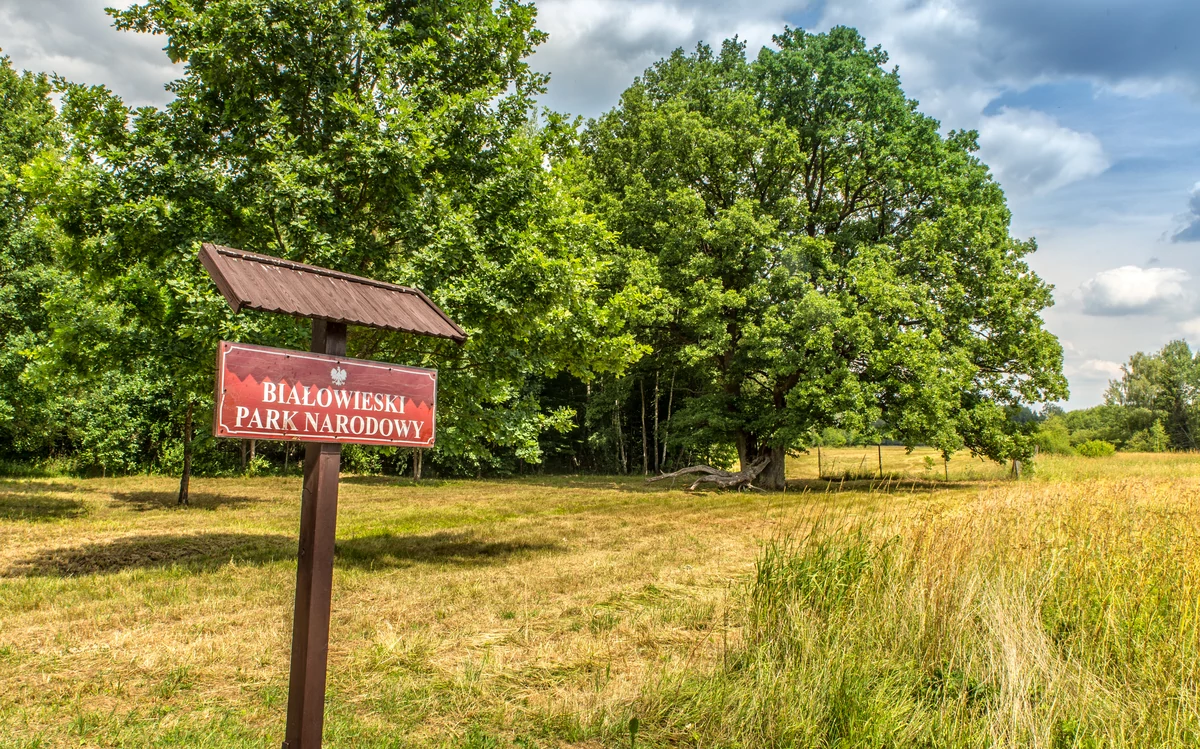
(324, 399)
(271, 393)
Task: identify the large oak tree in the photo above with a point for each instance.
(828, 257)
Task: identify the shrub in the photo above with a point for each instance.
(833, 437)
(1152, 440)
(1053, 436)
(1095, 449)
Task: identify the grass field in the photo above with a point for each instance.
(1059, 611)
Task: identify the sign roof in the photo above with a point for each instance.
(249, 280)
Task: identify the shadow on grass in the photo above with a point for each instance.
(208, 551)
(36, 507)
(17, 486)
(453, 548)
(146, 501)
(200, 551)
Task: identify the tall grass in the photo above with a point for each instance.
(1057, 619)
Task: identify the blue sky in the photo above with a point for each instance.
(1087, 112)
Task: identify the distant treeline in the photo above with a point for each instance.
(746, 255)
(1153, 407)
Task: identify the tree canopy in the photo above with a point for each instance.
(826, 256)
(392, 141)
(30, 137)
(796, 245)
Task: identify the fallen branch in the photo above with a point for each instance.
(743, 479)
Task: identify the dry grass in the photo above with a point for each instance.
(546, 613)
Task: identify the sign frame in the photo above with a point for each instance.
(221, 429)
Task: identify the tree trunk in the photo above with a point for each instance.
(187, 456)
(253, 445)
(667, 426)
(620, 436)
(774, 476)
(645, 446)
(751, 450)
(743, 479)
(657, 463)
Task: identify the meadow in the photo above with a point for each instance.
(1061, 610)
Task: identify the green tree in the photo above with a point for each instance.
(30, 138)
(1166, 383)
(1151, 440)
(390, 140)
(827, 257)
(1054, 436)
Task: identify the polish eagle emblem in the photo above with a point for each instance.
(338, 375)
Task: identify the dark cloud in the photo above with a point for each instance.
(75, 39)
(1191, 230)
(1136, 43)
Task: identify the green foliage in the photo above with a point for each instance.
(1095, 449)
(824, 256)
(833, 437)
(809, 259)
(390, 141)
(30, 138)
(1054, 436)
(1164, 387)
(1152, 440)
(1153, 407)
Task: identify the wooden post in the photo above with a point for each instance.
(879, 449)
(314, 573)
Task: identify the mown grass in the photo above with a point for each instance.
(1058, 611)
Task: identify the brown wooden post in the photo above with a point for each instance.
(314, 573)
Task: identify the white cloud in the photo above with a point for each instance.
(1191, 328)
(1100, 369)
(75, 39)
(1130, 290)
(597, 47)
(1031, 152)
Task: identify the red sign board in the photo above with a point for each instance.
(271, 393)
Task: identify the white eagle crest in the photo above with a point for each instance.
(338, 375)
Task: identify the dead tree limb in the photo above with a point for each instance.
(743, 479)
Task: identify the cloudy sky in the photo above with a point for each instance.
(1088, 114)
